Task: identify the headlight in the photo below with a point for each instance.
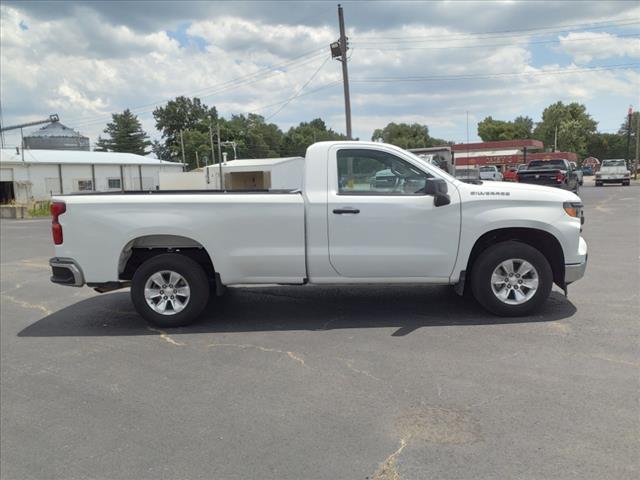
(573, 209)
(627, 174)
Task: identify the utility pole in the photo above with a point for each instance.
(629, 115)
(197, 160)
(184, 162)
(220, 157)
(555, 140)
(635, 164)
(467, 126)
(213, 154)
(345, 73)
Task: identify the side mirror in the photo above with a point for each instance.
(437, 188)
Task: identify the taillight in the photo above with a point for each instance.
(560, 177)
(57, 209)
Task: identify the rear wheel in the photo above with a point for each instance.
(511, 279)
(170, 290)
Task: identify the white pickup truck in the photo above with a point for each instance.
(508, 243)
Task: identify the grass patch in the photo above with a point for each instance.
(40, 209)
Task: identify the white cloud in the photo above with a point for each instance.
(587, 46)
(86, 66)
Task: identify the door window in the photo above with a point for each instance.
(374, 172)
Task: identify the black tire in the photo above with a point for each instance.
(195, 277)
(581, 182)
(626, 184)
(488, 261)
(598, 184)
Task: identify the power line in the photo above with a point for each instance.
(418, 78)
(486, 45)
(297, 94)
(517, 32)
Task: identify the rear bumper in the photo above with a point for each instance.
(66, 271)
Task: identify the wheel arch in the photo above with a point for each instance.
(140, 249)
(541, 240)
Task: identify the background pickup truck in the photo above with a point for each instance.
(613, 171)
(553, 173)
(490, 172)
(508, 243)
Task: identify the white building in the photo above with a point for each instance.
(258, 173)
(250, 174)
(40, 173)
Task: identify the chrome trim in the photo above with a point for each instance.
(574, 271)
(71, 265)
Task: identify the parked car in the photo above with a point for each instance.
(554, 173)
(468, 174)
(511, 174)
(579, 173)
(490, 172)
(613, 171)
(508, 243)
(587, 170)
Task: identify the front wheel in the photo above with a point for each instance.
(170, 290)
(511, 279)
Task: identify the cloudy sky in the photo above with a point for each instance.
(426, 62)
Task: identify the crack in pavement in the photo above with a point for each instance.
(165, 336)
(361, 372)
(25, 304)
(388, 469)
(292, 355)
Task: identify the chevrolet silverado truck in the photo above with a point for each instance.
(553, 173)
(613, 171)
(507, 243)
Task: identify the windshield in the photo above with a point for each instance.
(441, 173)
(487, 169)
(538, 164)
(613, 163)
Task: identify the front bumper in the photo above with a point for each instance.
(575, 271)
(66, 271)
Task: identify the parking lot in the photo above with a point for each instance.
(325, 382)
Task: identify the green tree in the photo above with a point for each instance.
(575, 127)
(183, 113)
(253, 136)
(124, 134)
(404, 135)
(490, 130)
(407, 136)
(297, 139)
(161, 151)
(607, 145)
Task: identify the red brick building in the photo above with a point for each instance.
(505, 153)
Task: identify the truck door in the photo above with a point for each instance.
(380, 222)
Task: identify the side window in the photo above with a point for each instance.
(373, 172)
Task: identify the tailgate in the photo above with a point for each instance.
(539, 177)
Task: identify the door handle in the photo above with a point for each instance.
(340, 211)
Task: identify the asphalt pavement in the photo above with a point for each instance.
(325, 382)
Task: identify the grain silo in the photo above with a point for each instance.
(56, 136)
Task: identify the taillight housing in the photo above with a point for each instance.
(57, 209)
(560, 177)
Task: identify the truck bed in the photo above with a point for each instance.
(253, 236)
